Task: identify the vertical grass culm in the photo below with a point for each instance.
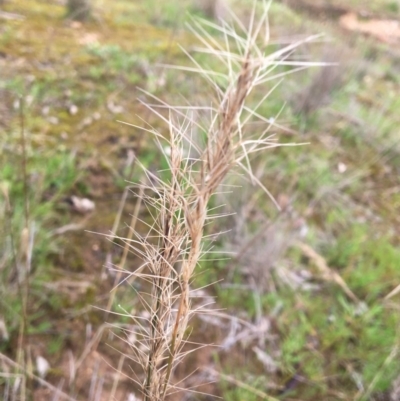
(178, 199)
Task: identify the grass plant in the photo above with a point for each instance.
(200, 153)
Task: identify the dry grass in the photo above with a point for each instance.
(178, 200)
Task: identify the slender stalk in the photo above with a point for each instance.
(24, 267)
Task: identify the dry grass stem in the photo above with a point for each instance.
(326, 271)
(178, 200)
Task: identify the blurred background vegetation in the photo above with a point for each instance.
(308, 306)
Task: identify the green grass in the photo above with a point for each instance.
(48, 184)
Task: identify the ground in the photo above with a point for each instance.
(308, 307)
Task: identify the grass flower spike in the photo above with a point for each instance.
(180, 202)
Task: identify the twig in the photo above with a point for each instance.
(327, 272)
(241, 384)
(11, 16)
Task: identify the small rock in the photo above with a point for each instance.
(96, 115)
(53, 120)
(87, 121)
(114, 108)
(341, 168)
(42, 366)
(73, 109)
(81, 205)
